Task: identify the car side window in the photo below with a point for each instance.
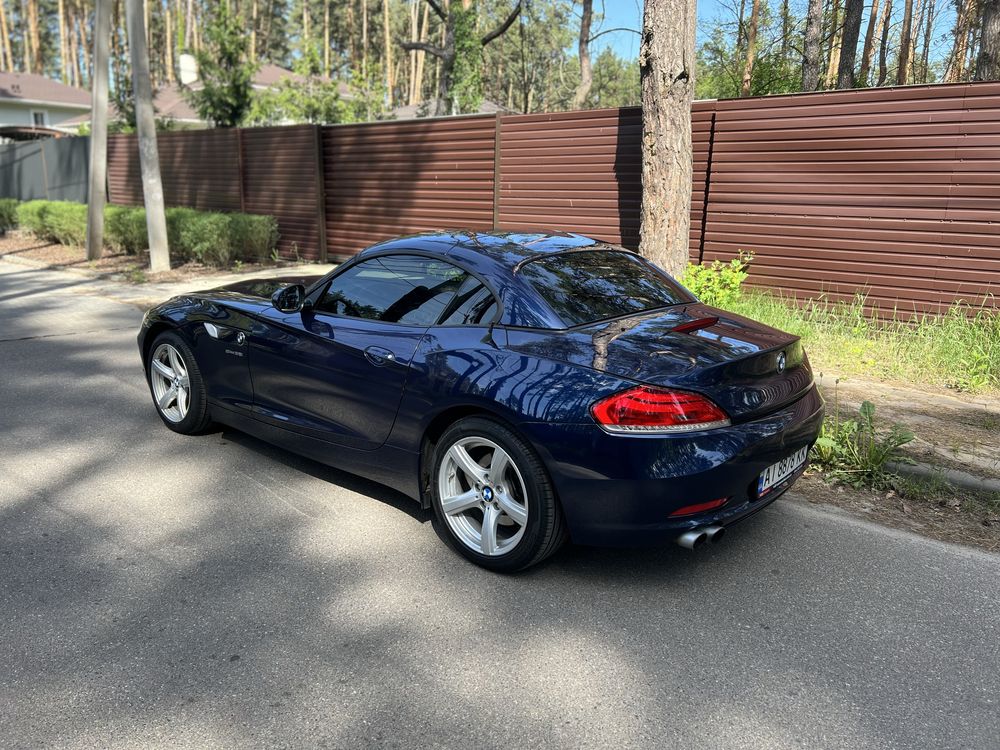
(473, 305)
(394, 289)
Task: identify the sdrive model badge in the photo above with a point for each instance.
(781, 362)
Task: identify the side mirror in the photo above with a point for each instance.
(289, 299)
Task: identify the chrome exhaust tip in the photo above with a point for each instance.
(692, 539)
(714, 533)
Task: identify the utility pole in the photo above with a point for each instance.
(149, 159)
(98, 130)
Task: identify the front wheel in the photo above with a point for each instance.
(176, 385)
(493, 498)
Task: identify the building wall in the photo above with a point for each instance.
(19, 113)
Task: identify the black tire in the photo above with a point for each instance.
(544, 532)
(197, 419)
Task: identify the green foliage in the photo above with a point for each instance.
(316, 100)
(31, 216)
(65, 222)
(466, 91)
(718, 284)
(616, 82)
(8, 214)
(224, 70)
(856, 451)
(369, 97)
(125, 229)
(959, 348)
(216, 239)
(253, 237)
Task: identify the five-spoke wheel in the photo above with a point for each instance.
(176, 384)
(493, 496)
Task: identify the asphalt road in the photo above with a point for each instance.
(160, 590)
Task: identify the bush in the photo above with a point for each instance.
(31, 216)
(205, 237)
(66, 223)
(215, 239)
(8, 214)
(253, 237)
(125, 229)
(718, 284)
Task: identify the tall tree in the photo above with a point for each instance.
(883, 50)
(988, 63)
(224, 71)
(905, 37)
(583, 48)
(871, 34)
(751, 48)
(836, 36)
(460, 54)
(666, 66)
(811, 46)
(853, 10)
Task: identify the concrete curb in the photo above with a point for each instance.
(953, 476)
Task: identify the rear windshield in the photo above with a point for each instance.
(585, 287)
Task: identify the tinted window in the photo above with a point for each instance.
(584, 287)
(473, 305)
(394, 289)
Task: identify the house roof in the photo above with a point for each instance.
(428, 107)
(169, 100)
(31, 88)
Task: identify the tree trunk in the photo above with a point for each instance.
(149, 160)
(988, 64)
(37, 63)
(387, 52)
(883, 49)
(586, 71)
(189, 26)
(853, 10)
(871, 34)
(925, 58)
(5, 50)
(418, 86)
(98, 156)
(905, 34)
(786, 28)
(666, 65)
(811, 47)
(326, 35)
(751, 49)
(836, 35)
(168, 46)
(254, 14)
(63, 53)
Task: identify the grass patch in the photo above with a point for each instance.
(959, 349)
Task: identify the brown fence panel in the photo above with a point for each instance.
(199, 169)
(280, 178)
(892, 192)
(392, 178)
(581, 172)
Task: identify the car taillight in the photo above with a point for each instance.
(646, 409)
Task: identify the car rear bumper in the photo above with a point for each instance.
(621, 490)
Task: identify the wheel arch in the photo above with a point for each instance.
(154, 330)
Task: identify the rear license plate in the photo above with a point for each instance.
(779, 472)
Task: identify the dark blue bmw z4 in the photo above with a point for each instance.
(528, 387)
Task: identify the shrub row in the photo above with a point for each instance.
(212, 238)
(8, 214)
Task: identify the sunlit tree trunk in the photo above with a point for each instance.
(836, 35)
(326, 35)
(5, 48)
(871, 34)
(925, 59)
(666, 65)
(905, 35)
(883, 49)
(387, 51)
(811, 46)
(254, 20)
(168, 47)
(751, 49)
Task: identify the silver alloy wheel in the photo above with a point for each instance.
(483, 496)
(170, 381)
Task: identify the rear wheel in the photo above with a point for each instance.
(176, 385)
(493, 498)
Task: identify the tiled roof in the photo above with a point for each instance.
(36, 88)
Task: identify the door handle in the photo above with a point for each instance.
(379, 356)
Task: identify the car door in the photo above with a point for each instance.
(337, 371)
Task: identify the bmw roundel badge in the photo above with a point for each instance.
(781, 362)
